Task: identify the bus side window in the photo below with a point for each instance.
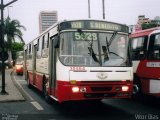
(154, 47)
(138, 48)
(30, 51)
(45, 50)
(39, 48)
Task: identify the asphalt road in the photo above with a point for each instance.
(36, 108)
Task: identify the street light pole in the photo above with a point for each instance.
(8, 9)
(89, 11)
(103, 4)
(2, 6)
(2, 46)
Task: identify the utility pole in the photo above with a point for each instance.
(89, 11)
(8, 9)
(103, 4)
(3, 54)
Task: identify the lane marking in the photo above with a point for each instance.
(34, 103)
(21, 80)
(37, 105)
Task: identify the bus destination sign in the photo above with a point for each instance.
(93, 25)
(104, 26)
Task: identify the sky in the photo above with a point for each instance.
(120, 11)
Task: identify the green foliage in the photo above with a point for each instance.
(148, 25)
(15, 48)
(12, 30)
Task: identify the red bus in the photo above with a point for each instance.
(19, 62)
(145, 55)
(80, 60)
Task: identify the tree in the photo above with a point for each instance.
(15, 48)
(148, 25)
(12, 30)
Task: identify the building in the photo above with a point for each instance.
(47, 19)
(156, 20)
(142, 19)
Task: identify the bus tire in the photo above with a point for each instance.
(137, 90)
(28, 83)
(45, 93)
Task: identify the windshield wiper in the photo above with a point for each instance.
(108, 43)
(91, 53)
(106, 50)
(111, 39)
(105, 53)
(90, 47)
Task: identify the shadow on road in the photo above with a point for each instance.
(148, 100)
(91, 110)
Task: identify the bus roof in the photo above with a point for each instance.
(156, 31)
(93, 25)
(143, 32)
(84, 24)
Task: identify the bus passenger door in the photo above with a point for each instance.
(52, 65)
(34, 64)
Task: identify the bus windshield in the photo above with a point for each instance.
(154, 47)
(92, 48)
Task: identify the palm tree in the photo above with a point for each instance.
(12, 31)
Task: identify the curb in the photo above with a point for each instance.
(18, 86)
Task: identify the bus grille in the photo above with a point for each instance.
(97, 89)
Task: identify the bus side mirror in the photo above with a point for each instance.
(56, 42)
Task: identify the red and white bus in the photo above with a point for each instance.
(80, 60)
(145, 53)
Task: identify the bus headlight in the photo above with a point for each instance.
(75, 89)
(125, 88)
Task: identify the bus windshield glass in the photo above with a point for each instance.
(91, 48)
(154, 47)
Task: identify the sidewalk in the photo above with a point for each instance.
(13, 92)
